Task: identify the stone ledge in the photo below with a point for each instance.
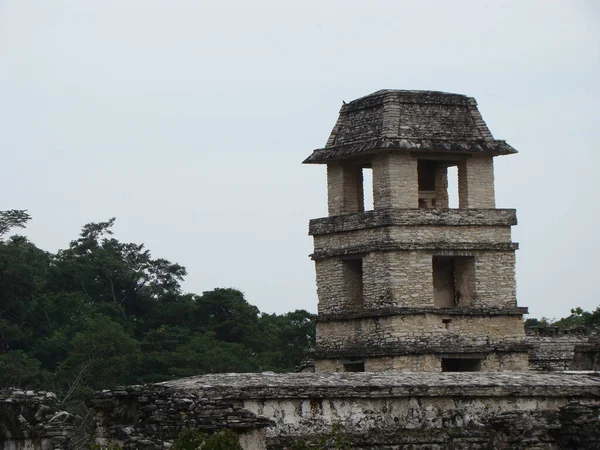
(386, 385)
(422, 347)
(386, 312)
(412, 217)
(438, 247)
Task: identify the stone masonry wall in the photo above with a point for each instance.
(553, 350)
(441, 186)
(344, 189)
(495, 280)
(495, 362)
(405, 278)
(420, 331)
(395, 183)
(476, 183)
(420, 411)
(33, 420)
(413, 217)
(147, 416)
(412, 234)
(397, 279)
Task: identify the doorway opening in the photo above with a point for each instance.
(460, 365)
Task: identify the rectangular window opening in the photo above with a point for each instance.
(353, 283)
(453, 187)
(426, 175)
(461, 365)
(453, 281)
(354, 366)
(368, 188)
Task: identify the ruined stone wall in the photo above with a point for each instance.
(553, 349)
(408, 410)
(134, 417)
(33, 420)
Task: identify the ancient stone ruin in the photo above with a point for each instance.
(34, 420)
(413, 285)
(388, 410)
(418, 296)
(552, 349)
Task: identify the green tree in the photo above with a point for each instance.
(229, 316)
(23, 274)
(122, 274)
(19, 370)
(100, 355)
(206, 354)
(580, 318)
(13, 218)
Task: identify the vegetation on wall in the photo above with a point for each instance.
(102, 312)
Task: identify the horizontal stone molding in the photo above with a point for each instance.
(413, 217)
(425, 347)
(386, 312)
(365, 147)
(439, 248)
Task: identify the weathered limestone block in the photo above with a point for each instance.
(395, 181)
(476, 183)
(413, 217)
(554, 349)
(344, 189)
(33, 420)
(420, 330)
(148, 416)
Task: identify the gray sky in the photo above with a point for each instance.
(188, 121)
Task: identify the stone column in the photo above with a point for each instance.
(441, 186)
(476, 183)
(344, 189)
(395, 181)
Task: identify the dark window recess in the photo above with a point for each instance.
(353, 283)
(426, 175)
(453, 281)
(461, 365)
(354, 367)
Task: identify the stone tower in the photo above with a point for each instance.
(413, 285)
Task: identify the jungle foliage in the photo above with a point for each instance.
(102, 312)
(584, 320)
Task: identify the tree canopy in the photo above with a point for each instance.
(102, 312)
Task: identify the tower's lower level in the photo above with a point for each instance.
(418, 290)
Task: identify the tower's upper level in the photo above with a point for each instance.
(409, 139)
(413, 121)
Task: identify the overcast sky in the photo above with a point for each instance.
(188, 122)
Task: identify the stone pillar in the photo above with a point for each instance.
(344, 189)
(395, 181)
(441, 186)
(476, 183)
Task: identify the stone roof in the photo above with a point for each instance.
(385, 384)
(414, 121)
